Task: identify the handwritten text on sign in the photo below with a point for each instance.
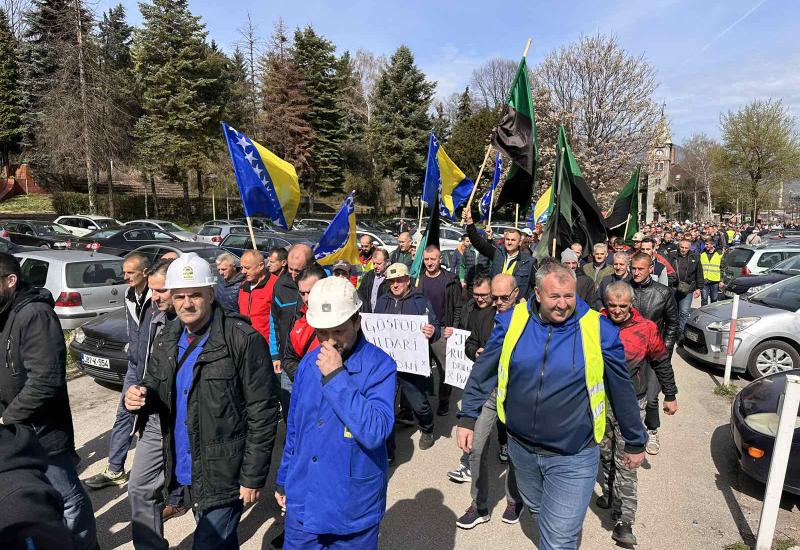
(401, 337)
(459, 366)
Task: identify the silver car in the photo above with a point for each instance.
(767, 336)
(83, 285)
(164, 225)
(215, 234)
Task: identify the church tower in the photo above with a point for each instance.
(658, 163)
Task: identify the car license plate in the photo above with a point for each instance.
(95, 361)
(692, 335)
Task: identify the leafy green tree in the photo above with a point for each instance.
(467, 145)
(10, 95)
(400, 123)
(315, 58)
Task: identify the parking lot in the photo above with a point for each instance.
(692, 495)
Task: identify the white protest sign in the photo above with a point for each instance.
(459, 366)
(401, 337)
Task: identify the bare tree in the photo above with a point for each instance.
(15, 11)
(369, 67)
(252, 46)
(492, 80)
(604, 98)
(697, 159)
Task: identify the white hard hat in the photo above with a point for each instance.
(189, 271)
(332, 301)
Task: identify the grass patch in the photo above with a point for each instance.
(33, 203)
(728, 391)
(736, 546)
(72, 363)
(777, 544)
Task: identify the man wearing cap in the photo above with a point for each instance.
(509, 258)
(403, 299)
(374, 283)
(210, 380)
(584, 285)
(344, 270)
(334, 471)
(637, 239)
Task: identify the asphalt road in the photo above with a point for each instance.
(691, 496)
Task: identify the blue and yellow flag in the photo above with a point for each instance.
(338, 242)
(486, 201)
(442, 173)
(268, 184)
(543, 208)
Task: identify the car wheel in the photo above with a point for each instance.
(772, 356)
(44, 246)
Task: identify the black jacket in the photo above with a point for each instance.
(365, 290)
(397, 256)
(688, 269)
(474, 264)
(286, 303)
(524, 272)
(584, 286)
(600, 296)
(31, 510)
(232, 412)
(657, 303)
(480, 323)
(33, 383)
(452, 299)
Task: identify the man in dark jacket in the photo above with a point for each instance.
(621, 265)
(374, 283)
(598, 268)
(473, 264)
(646, 355)
(583, 283)
(508, 259)
(33, 390)
(403, 253)
(403, 299)
(209, 378)
(657, 303)
(443, 291)
(230, 281)
(689, 274)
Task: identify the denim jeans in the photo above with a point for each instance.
(684, 308)
(78, 513)
(216, 527)
(557, 488)
(119, 440)
(710, 291)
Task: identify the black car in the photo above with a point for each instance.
(100, 347)
(754, 423)
(208, 252)
(237, 244)
(37, 233)
(750, 284)
(120, 241)
(11, 248)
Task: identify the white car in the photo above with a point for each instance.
(164, 225)
(385, 241)
(80, 225)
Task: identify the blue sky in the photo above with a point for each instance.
(710, 56)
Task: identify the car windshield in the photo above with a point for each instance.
(95, 273)
(210, 231)
(790, 265)
(103, 234)
(782, 295)
(208, 254)
(169, 226)
(52, 229)
(106, 223)
(738, 257)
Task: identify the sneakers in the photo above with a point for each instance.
(623, 533)
(404, 417)
(502, 455)
(652, 446)
(512, 513)
(472, 517)
(460, 474)
(171, 511)
(443, 409)
(426, 441)
(106, 478)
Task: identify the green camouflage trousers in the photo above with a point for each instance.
(615, 473)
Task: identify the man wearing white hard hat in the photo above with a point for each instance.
(210, 379)
(333, 474)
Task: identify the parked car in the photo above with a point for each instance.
(215, 234)
(12, 248)
(164, 225)
(80, 225)
(755, 259)
(208, 252)
(382, 240)
(312, 223)
(101, 347)
(750, 284)
(237, 244)
(754, 425)
(84, 285)
(37, 233)
(767, 331)
(121, 241)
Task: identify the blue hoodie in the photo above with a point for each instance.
(547, 404)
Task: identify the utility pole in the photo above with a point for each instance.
(85, 111)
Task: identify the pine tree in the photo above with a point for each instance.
(400, 123)
(178, 75)
(284, 107)
(10, 95)
(315, 58)
(464, 110)
(467, 144)
(238, 110)
(440, 123)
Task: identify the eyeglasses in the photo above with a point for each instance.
(478, 296)
(505, 298)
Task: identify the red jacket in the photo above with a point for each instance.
(643, 344)
(255, 304)
(302, 339)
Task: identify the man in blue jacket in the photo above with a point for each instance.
(556, 364)
(333, 474)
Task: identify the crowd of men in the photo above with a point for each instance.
(571, 357)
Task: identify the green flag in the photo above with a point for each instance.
(623, 221)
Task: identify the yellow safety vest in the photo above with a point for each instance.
(509, 265)
(592, 357)
(711, 266)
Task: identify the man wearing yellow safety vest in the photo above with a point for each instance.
(556, 365)
(711, 260)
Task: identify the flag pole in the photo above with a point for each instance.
(557, 198)
(252, 234)
(516, 216)
(480, 173)
(419, 223)
(527, 47)
(491, 203)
